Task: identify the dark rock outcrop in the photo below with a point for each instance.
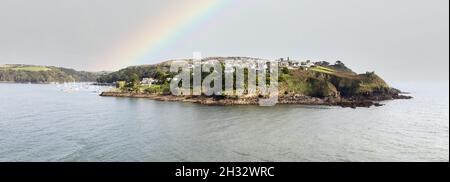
(352, 102)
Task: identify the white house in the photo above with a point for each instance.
(307, 63)
(283, 63)
(148, 81)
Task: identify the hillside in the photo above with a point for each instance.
(43, 74)
(320, 80)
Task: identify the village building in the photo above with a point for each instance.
(148, 81)
(283, 62)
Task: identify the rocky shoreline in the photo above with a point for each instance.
(352, 102)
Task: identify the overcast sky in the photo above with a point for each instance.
(402, 40)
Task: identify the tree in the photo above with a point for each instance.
(121, 85)
(285, 70)
(322, 63)
(160, 75)
(135, 83)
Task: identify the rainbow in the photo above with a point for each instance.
(155, 36)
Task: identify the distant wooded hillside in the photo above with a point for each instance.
(43, 74)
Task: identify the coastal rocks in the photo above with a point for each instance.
(307, 100)
(355, 104)
(351, 102)
(228, 101)
(402, 97)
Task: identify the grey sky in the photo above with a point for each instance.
(402, 40)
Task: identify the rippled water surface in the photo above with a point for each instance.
(44, 123)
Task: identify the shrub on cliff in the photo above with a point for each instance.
(372, 84)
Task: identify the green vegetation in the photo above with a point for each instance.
(43, 74)
(157, 89)
(121, 85)
(322, 69)
(159, 72)
(320, 80)
(303, 82)
(31, 68)
(370, 84)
